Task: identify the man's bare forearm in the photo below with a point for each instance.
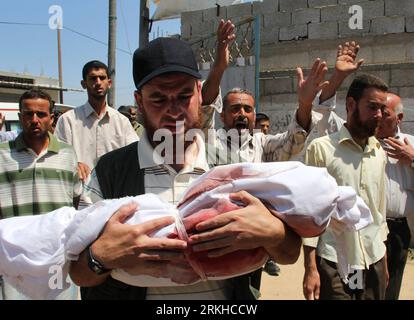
(330, 90)
(211, 87)
(309, 258)
(287, 251)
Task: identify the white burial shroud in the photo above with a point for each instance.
(32, 248)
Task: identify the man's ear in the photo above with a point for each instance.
(200, 95)
(83, 84)
(138, 100)
(109, 83)
(52, 118)
(350, 105)
(400, 118)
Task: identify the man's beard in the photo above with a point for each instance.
(151, 129)
(363, 129)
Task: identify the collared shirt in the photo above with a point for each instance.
(138, 128)
(364, 170)
(91, 135)
(161, 179)
(400, 185)
(259, 147)
(35, 184)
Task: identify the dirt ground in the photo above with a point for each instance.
(288, 285)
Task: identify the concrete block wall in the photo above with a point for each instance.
(279, 103)
(295, 32)
(292, 20)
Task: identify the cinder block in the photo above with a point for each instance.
(277, 19)
(382, 74)
(351, 2)
(303, 16)
(269, 35)
(293, 32)
(201, 28)
(340, 12)
(335, 13)
(211, 14)
(399, 7)
(292, 5)
(192, 17)
(323, 30)
(265, 7)
(402, 77)
(239, 10)
(264, 100)
(407, 92)
(387, 53)
(383, 25)
(185, 30)
(409, 24)
(372, 9)
(321, 3)
(346, 31)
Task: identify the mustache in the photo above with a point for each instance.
(243, 120)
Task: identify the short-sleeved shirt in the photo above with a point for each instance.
(91, 135)
(364, 170)
(35, 184)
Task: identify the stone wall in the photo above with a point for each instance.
(295, 32)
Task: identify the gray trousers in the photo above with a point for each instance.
(372, 282)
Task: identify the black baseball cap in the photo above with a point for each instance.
(160, 56)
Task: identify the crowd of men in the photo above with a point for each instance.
(97, 152)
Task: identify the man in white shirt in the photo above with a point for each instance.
(400, 194)
(94, 128)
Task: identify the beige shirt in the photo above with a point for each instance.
(364, 170)
(91, 135)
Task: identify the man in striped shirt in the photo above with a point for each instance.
(38, 173)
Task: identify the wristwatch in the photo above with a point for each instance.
(93, 264)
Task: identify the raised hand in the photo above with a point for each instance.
(314, 82)
(346, 58)
(225, 35)
(211, 87)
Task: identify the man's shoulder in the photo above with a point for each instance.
(116, 114)
(327, 140)
(116, 157)
(65, 147)
(5, 146)
(71, 115)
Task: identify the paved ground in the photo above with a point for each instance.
(288, 285)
